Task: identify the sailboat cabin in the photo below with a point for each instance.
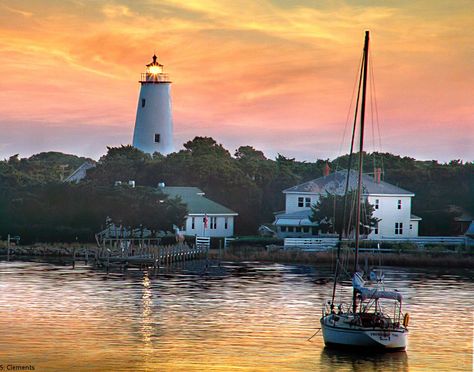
(392, 206)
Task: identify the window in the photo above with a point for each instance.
(398, 228)
(376, 228)
(143, 102)
(411, 227)
(193, 223)
(157, 138)
(377, 203)
(298, 229)
(399, 204)
(306, 229)
(213, 223)
(307, 202)
(301, 202)
(226, 223)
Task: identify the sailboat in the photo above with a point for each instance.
(364, 323)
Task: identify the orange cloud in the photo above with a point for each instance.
(244, 72)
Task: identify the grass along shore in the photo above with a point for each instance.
(404, 258)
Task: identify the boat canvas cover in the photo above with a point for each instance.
(373, 294)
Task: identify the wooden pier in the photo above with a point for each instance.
(145, 253)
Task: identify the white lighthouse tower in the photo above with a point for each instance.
(154, 123)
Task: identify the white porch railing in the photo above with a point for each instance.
(424, 240)
(227, 241)
(203, 242)
(310, 244)
(321, 244)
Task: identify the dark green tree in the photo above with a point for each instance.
(329, 210)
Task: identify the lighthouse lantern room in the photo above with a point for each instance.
(154, 122)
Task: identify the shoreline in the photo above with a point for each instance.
(81, 252)
(402, 259)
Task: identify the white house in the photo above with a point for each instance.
(392, 206)
(205, 217)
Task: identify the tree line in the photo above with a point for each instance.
(36, 204)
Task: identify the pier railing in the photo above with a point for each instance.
(145, 252)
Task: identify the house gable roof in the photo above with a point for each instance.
(80, 173)
(470, 230)
(335, 183)
(195, 200)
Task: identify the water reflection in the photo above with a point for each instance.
(343, 360)
(229, 316)
(146, 318)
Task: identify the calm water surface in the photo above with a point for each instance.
(233, 317)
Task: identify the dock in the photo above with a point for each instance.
(145, 253)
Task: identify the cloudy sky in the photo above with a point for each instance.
(277, 75)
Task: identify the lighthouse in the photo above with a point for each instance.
(154, 123)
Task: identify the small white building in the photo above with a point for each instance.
(205, 217)
(392, 206)
(80, 173)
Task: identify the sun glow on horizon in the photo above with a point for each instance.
(273, 70)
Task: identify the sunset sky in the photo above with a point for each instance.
(277, 75)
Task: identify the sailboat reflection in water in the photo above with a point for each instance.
(363, 323)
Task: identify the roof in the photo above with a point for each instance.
(298, 218)
(335, 183)
(80, 173)
(195, 200)
(415, 218)
(470, 230)
(465, 217)
(305, 213)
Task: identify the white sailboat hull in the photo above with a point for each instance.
(341, 334)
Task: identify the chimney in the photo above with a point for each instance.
(326, 170)
(377, 174)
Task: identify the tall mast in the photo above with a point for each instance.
(361, 147)
(346, 190)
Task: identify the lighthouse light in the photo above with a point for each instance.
(155, 70)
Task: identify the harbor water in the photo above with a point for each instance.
(224, 317)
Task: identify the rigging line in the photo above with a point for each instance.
(349, 110)
(372, 121)
(372, 75)
(352, 210)
(376, 107)
(344, 204)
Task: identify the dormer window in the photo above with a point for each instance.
(304, 202)
(300, 202)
